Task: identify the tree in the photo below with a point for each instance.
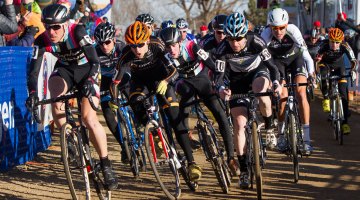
(255, 15)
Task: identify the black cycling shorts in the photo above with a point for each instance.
(294, 64)
(242, 83)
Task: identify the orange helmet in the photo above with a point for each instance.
(336, 34)
(137, 33)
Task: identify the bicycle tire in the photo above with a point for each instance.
(293, 145)
(79, 184)
(139, 139)
(257, 165)
(334, 119)
(164, 169)
(124, 131)
(215, 160)
(339, 110)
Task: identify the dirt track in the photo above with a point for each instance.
(332, 172)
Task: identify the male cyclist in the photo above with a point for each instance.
(331, 62)
(148, 20)
(183, 27)
(152, 71)
(77, 66)
(210, 43)
(192, 63)
(245, 61)
(109, 49)
(289, 50)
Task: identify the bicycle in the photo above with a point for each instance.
(79, 166)
(336, 107)
(166, 167)
(255, 149)
(292, 126)
(210, 145)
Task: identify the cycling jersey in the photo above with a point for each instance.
(76, 49)
(291, 45)
(313, 48)
(333, 58)
(192, 59)
(108, 62)
(209, 44)
(248, 59)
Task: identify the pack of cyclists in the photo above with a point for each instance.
(231, 59)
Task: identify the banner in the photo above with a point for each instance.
(19, 139)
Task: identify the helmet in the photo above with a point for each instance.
(137, 33)
(259, 29)
(314, 33)
(54, 14)
(167, 23)
(181, 23)
(278, 17)
(218, 22)
(145, 18)
(169, 35)
(104, 32)
(349, 33)
(335, 34)
(236, 25)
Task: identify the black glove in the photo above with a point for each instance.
(91, 88)
(32, 30)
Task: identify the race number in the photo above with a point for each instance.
(219, 66)
(202, 54)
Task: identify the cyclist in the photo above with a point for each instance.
(183, 27)
(152, 71)
(77, 66)
(331, 60)
(244, 60)
(192, 63)
(109, 49)
(148, 20)
(212, 41)
(289, 50)
(313, 43)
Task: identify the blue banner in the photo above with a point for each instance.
(19, 139)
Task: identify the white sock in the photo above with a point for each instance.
(306, 131)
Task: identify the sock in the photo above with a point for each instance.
(242, 163)
(104, 162)
(268, 121)
(280, 125)
(306, 131)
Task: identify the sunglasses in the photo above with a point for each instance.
(220, 32)
(278, 28)
(53, 27)
(107, 42)
(134, 46)
(231, 39)
(336, 42)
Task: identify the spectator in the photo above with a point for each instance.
(26, 39)
(317, 26)
(203, 31)
(344, 24)
(8, 24)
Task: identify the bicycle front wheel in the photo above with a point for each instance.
(162, 161)
(340, 116)
(256, 154)
(74, 162)
(293, 144)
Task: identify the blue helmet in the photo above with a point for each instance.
(181, 23)
(236, 25)
(166, 23)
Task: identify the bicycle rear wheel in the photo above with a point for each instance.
(293, 144)
(256, 154)
(74, 162)
(162, 161)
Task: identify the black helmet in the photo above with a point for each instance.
(145, 18)
(104, 32)
(54, 14)
(166, 23)
(218, 22)
(169, 35)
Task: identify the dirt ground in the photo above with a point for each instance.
(332, 172)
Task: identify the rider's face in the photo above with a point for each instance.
(173, 49)
(107, 46)
(56, 31)
(237, 44)
(334, 45)
(279, 31)
(139, 50)
(219, 35)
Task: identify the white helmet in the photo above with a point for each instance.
(278, 17)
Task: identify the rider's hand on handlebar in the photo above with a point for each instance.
(225, 94)
(113, 105)
(31, 101)
(318, 57)
(162, 87)
(91, 88)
